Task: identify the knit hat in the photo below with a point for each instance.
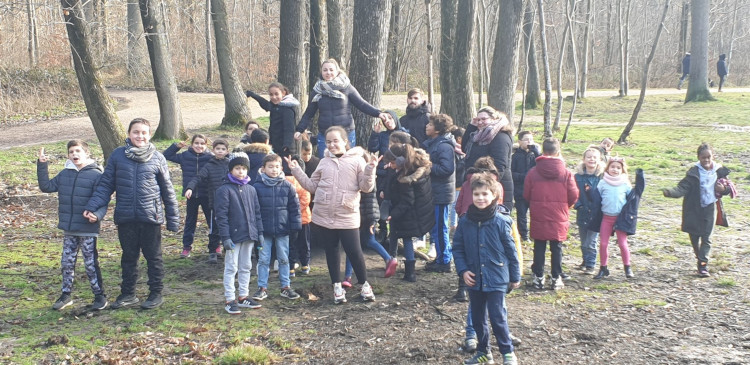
(238, 158)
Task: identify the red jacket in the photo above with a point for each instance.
(465, 198)
(551, 191)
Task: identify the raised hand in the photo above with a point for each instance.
(373, 163)
(293, 164)
(182, 144)
(377, 127)
(42, 156)
(297, 136)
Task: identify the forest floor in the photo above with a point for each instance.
(666, 315)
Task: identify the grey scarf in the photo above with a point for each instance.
(139, 154)
(331, 88)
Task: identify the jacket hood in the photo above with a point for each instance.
(422, 109)
(550, 167)
(395, 118)
(414, 176)
(255, 148)
(581, 169)
(355, 151)
(447, 138)
(89, 164)
(289, 101)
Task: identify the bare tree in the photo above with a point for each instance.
(236, 111)
(560, 63)
(137, 57)
(448, 10)
(317, 40)
(99, 105)
(586, 47)
(430, 49)
(504, 75)
(570, 14)
(462, 90)
(532, 97)
(291, 47)
(644, 80)
(623, 25)
(209, 44)
(698, 87)
(684, 32)
(33, 39)
(545, 62)
(392, 59)
(336, 48)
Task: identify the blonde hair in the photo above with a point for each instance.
(599, 166)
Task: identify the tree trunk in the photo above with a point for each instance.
(336, 47)
(292, 48)
(33, 41)
(731, 36)
(99, 105)
(209, 45)
(430, 48)
(369, 43)
(478, 57)
(571, 6)
(461, 81)
(586, 47)
(545, 62)
(504, 75)
(626, 50)
(699, 16)
(561, 61)
(317, 41)
(532, 95)
(644, 80)
(684, 31)
(236, 112)
(448, 10)
(104, 28)
(392, 59)
(137, 70)
(609, 51)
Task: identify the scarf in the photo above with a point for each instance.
(139, 154)
(289, 101)
(237, 181)
(482, 215)
(331, 88)
(272, 181)
(485, 135)
(616, 180)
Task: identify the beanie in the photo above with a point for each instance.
(238, 158)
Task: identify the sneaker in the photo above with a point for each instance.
(556, 283)
(515, 340)
(305, 270)
(213, 258)
(702, 272)
(339, 294)
(275, 266)
(62, 302)
(185, 253)
(589, 270)
(124, 300)
(510, 359)
(480, 358)
(248, 303)
(291, 273)
(347, 283)
(470, 344)
(432, 253)
(100, 302)
(289, 293)
(367, 294)
(564, 276)
(154, 300)
(260, 294)
(539, 282)
(218, 251)
(390, 267)
(232, 307)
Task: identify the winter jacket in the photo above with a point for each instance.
(500, 149)
(255, 152)
(721, 67)
(696, 220)
(336, 185)
(74, 189)
(334, 111)
(311, 165)
(369, 210)
(686, 64)
(520, 164)
(585, 207)
(443, 172)
(141, 187)
(487, 249)
(415, 120)
(465, 198)
(412, 207)
(550, 190)
(279, 207)
(282, 120)
(628, 216)
(379, 143)
(304, 199)
(190, 163)
(211, 177)
(237, 212)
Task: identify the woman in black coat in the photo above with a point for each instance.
(491, 134)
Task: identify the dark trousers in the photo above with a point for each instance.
(721, 81)
(191, 218)
(213, 234)
(540, 248)
(329, 239)
(134, 239)
(299, 250)
(493, 304)
(522, 217)
(701, 246)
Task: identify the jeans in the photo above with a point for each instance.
(238, 261)
(522, 217)
(470, 333)
(452, 213)
(588, 246)
(608, 223)
(191, 218)
(87, 245)
(369, 238)
(540, 248)
(721, 81)
(264, 260)
(408, 247)
(134, 239)
(440, 235)
(492, 304)
(701, 246)
(351, 136)
(349, 239)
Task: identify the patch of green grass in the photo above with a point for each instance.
(610, 286)
(246, 354)
(640, 303)
(726, 282)
(646, 251)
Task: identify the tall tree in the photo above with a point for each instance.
(532, 97)
(137, 70)
(430, 49)
(570, 7)
(504, 75)
(461, 81)
(586, 47)
(209, 44)
(699, 16)
(623, 23)
(547, 78)
(33, 39)
(336, 48)
(369, 43)
(447, 43)
(291, 47)
(318, 37)
(392, 59)
(560, 63)
(236, 111)
(99, 104)
(684, 32)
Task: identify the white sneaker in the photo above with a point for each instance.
(366, 293)
(339, 294)
(432, 253)
(418, 243)
(276, 266)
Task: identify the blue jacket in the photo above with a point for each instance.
(141, 187)
(334, 111)
(721, 67)
(238, 212)
(190, 163)
(585, 207)
(520, 164)
(443, 172)
(255, 152)
(279, 207)
(210, 177)
(487, 249)
(74, 190)
(627, 220)
(379, 142)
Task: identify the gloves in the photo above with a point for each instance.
(248, 93)
(228, 245)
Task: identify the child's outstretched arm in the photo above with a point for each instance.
(171, 152)
(42, 175)
(680, 190)
(265, 104)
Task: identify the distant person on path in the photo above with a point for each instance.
(721, 69)
(283, 117)
(417, 115)
(331, 98)
(75, 184)
(685, 70)
(138, 173)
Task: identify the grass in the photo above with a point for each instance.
(246, 354)
(648, 302)
(726, 282)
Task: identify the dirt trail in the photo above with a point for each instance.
(198, 110)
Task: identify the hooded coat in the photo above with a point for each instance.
(721, 66)
(500, 149)
(696, 220)
(238, 212)
(334, 111)
(190, 162)
(586, 183)
(279, 206)
(415, 120)
(550, 190)
(255, 153)
(379, 143)
(412, 208)
(627, 219)
(521, 162)
(443, 172)
(283, 117)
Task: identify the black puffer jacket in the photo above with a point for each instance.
(74, 189)
(520, 164)
(369, 210)
(333, 111)
(283, 118)
(500, 149)
(141, 187)
(238, 212)
(412, 209)
(279, 206)
(211, 177)
(190, 163)
(415, 120)
(255, 152)
(443, 172)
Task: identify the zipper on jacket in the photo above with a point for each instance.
(72, 196)
(135, 190)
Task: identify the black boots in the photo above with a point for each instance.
(462, 294)
(628, 272)
(603, 271)
(409, 274)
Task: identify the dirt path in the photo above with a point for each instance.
(198, 110)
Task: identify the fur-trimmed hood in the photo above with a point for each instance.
(262, 148)
(581, 169)
(414, 176)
